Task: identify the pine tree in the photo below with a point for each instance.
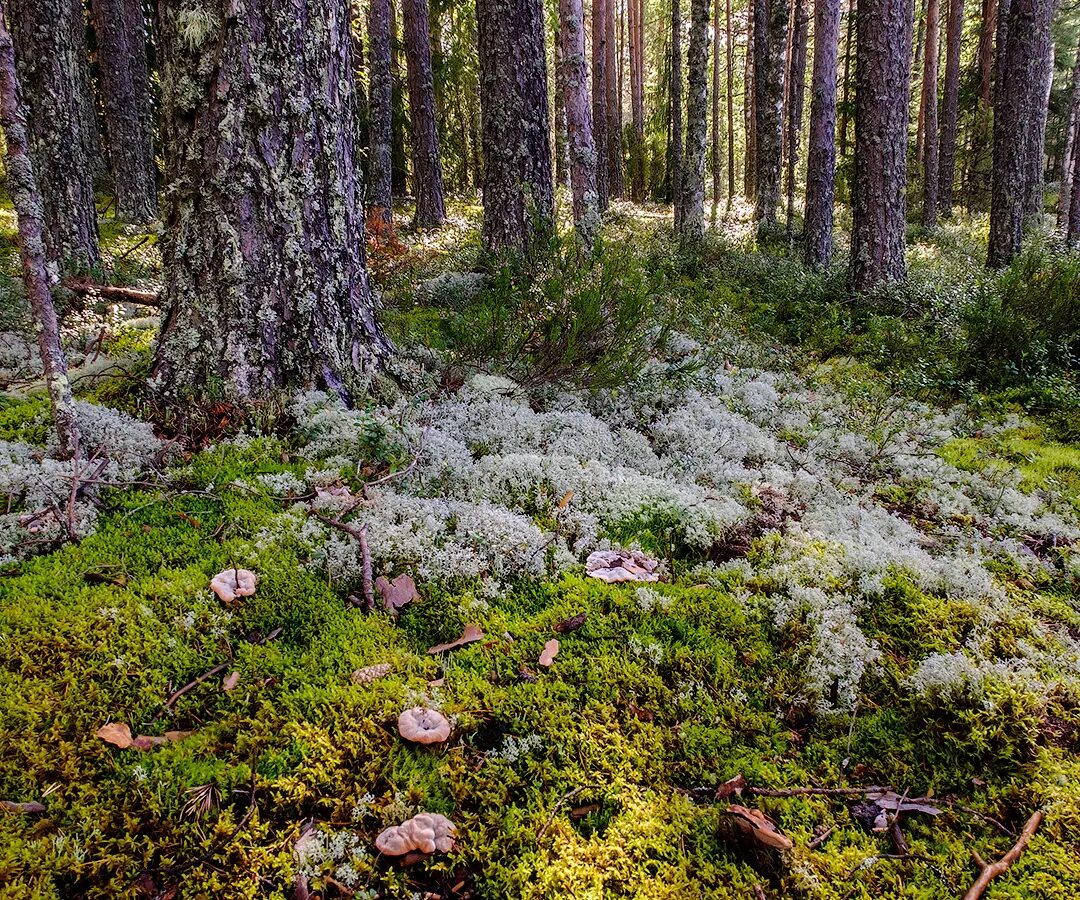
(693, 190)
(770, 39)
(821, 155)
(380, 114)
(427, 166)
(574, 79)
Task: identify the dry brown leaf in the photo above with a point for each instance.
(437, 682)
(565, 501)
(571, 624)
(396, 594)
(551, 650)
(230, 681)
(731, 787)
(469, 635)
(758, 826)
(115, 733)
(30, 808)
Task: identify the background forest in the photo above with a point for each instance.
(525, 449)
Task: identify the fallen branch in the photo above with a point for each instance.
(559, 804)
(191, 685)
(367, 583)
(82, 287)
(990, 871)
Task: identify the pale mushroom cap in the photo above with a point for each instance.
(233, 583)
(423, 726)
(426, 832)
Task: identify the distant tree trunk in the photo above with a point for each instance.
(800, 24)
(749, 109)
(121, 37)
(821, 156)
(514, 117)
(427, 167)
(1044, 54)
(380, 114)
(917, 69)
(697, 84)
(28, 204)
(947, 151)
(599, 100)
(676, 148)
(770, 31)
(716, 123)
(882, 77)
(1072, 232)
(50, 59)
(614, 106)
(266, 285)
(849, 42)
(985, 53)
(398, 108)
(575, 82)
(85, 92)
(1020, 88)
(730, 61)
(930, 126)
(562, 135)
(1071, 120)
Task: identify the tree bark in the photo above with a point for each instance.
(599, 100)
(562, 135)
(821, 156)
(1072, 232)
(800, 24)
(930, 120)
(1044, 54)
(730, 64)
(121, 37)
(749, 109)
(380, 115)
(849, 42)
(574, 79)
(717, 174)
(770, 31)
(950, 103)
(614, 105)
(697, 82)
(917, 68)
(266, 285)
(882, 78)
(28, 204)
(985, 53)
(514, 120)
(1071, 119)
(676, 114)
(50, 61)
(427, 167)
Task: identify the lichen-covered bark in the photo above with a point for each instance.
(613, 104)
(930, 116)
(514, 120)
(796, 80)
(562, 138)
(266, 286)
(1071, 119)
(427, 167)
(121, 37)
(637, 100)
(598, 23)
(821, 154)
(574, 78)
(714, 164)
(50, 52)
(949, 107)
(729, 51)
(770, 39)
(29, 210)
(882, 77)
(1040, 104)
(749, 112)
(676, 149)
(1020, 90)
(697, 84)
(380, 114)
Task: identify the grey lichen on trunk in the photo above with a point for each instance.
(676, 149)
(380, 113)
(821, 155)
(598, 25)
(574, 81)
(693, 188)
(770, 38)
(427, 167)
(266, 284)
(930, 113)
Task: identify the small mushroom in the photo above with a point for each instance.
(424, 832)
(233, 583)
(423, 726)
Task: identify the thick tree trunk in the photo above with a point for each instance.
(717, 174)
(821, 156)
(770, 32)
(613, 105)
(28, 204)
(730, 64)
(749, 109)
(51, 60)
(266, 286)
(121, 37)
(800, 25)
(514, 117)
(1071, 120)
(427, 167)
(676, 114)
(1020, 90)
(930, 126)
(882, 78)
(950, 103)
(599, 100)
(380, 114)
(849, 43)
(575, 81)
(637, 98)
(697, 84)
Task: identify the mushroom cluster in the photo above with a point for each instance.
(423, 833)
(233, 583)
(423, 726)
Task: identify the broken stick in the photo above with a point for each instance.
(990, 871)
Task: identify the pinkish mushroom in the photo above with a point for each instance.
(423, 726)
(424, 833)
(233, 583)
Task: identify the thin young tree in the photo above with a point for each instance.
(637, 97)
(697, 82)
(265, 278)
(562, 137)
(800, 26)
(821, 155)
(50, 55)
(427, 166)
(1069, 150)
(613, 104)
(27, 200)
(1072, 230)
(717, 174)
(599, 100)
(845, 106)
(730, 64)
(380, 116)
(882, 77)
(930, 117)
(574, 78)
(121, 38)
(950, 107)
(676, 148)
(518, 202)
(770, 38)
(749, 109)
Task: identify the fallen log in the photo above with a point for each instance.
(82, 287)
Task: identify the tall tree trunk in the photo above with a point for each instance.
(1071, 120)
(514, 116)
(562, 134)
(882, 77)
(950, 102)
(50, 60)
(930, 126)
(821, 156)
(985, 53)
(575, 82)
(1040, 106)
(121, 37)
(749, 109)
(398, 106)
(917, 69)
(599, 100)
(85, 92)
(697, 83)
(800, 24)
(380, 114)
(717, 174)
(28, 204)
(266, 284)
(730, 64)
(1072, 231)
(676, 114)
(770, 31)
(1020, 88)
(614, 105)
(849, 43)
(427, 167)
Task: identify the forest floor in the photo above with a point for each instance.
(870, 591)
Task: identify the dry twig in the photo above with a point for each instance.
(990, 871)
